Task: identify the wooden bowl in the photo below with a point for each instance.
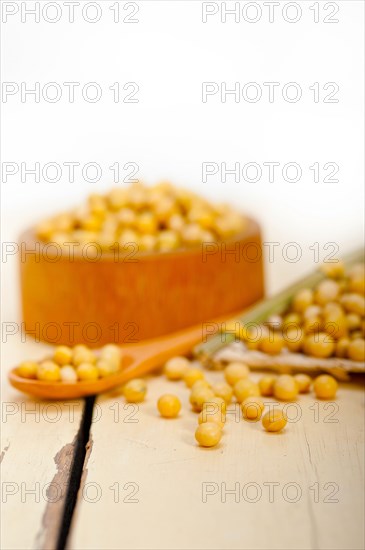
(68, 299)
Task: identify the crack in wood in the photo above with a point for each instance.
(89, 447)
(77, 469)
(69, 478)
(56, 494)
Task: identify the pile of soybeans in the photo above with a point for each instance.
(326, 321)
(158, 218)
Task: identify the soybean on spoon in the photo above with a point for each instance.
(137, 360)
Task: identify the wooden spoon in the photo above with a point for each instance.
(137, 360)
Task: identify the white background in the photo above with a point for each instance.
(170, 132)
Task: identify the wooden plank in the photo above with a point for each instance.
(148, 485)
(37, 445)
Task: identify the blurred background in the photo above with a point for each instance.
(169, 132)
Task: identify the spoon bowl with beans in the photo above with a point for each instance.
(43, 379)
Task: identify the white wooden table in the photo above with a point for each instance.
(146, 484)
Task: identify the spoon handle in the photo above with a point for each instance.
(156, 352)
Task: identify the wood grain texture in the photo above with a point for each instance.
(124, 301)
(145, 480)
(37, 444)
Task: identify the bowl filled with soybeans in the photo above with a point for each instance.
(136, 263)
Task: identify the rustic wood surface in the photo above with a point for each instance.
(145, 481)
(146, 485)
(37, 448)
